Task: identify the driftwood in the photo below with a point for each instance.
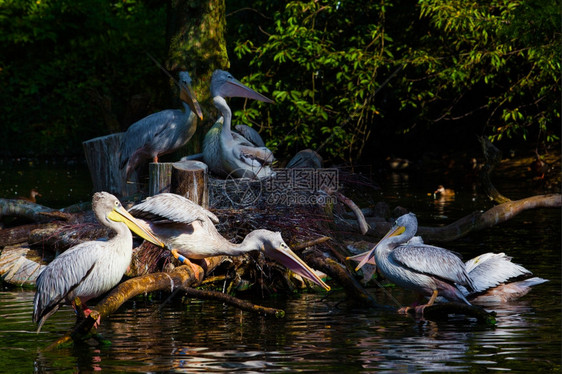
(18, 234)
(24, 209)
(361, 222)
(475, 221)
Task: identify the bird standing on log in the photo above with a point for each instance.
(161, 133)
(226, 152)
(189, 230)
(406, 260)
(92, 268)
(422, 268)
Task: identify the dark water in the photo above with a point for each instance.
(322, 334)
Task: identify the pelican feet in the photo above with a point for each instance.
(186, 261)
(82, 311)
(416, 310)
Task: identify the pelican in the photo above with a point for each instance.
(491, 274)
(161, 133)
(190, 231)
(224, 152)
(92, 268)
(425, 269)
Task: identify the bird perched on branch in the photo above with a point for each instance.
(189, 230)
(92, 268)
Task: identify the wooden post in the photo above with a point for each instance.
(102, 157)
(160, 176)
(190, 179)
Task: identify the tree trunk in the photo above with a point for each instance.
(196, 42)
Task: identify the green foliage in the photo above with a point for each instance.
(68, 65)
(322, 77)
(504, 55)
(491, 67)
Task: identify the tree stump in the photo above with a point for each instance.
(160, 176)
(102, 157)
(186, 178)
(190, 179)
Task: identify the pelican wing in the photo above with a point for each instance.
(53, 288)
(435, 261)
(169, 207)
(142, 132)
(262, 155)
(491, 269)
(251, 135)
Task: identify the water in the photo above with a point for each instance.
(320, 334)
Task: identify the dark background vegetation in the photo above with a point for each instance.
(357, 80)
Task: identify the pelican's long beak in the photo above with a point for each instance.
(119, 214)
(234, 88)
(187, 95)
(285, 256)
(367, 256)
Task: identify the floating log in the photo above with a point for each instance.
(102, 157)
(475, 221)
(190, 179)
(160, 178)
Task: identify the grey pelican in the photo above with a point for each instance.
(490, 273)
(223, 151)
(92, 268)
(425, 269)
(190, 231)
(161, 133)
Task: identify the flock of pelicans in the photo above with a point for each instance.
(170, 221)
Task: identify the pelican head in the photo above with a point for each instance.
(403, 230)
(107, 208)
(225, 85)
(187, 95)
(273, 246)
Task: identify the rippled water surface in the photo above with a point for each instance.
(320, 334)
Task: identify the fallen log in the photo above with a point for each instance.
(475, 221)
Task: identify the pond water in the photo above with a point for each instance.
(318, 334)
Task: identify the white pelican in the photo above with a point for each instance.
(225, 152)
(189, 230)
(92, 268)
